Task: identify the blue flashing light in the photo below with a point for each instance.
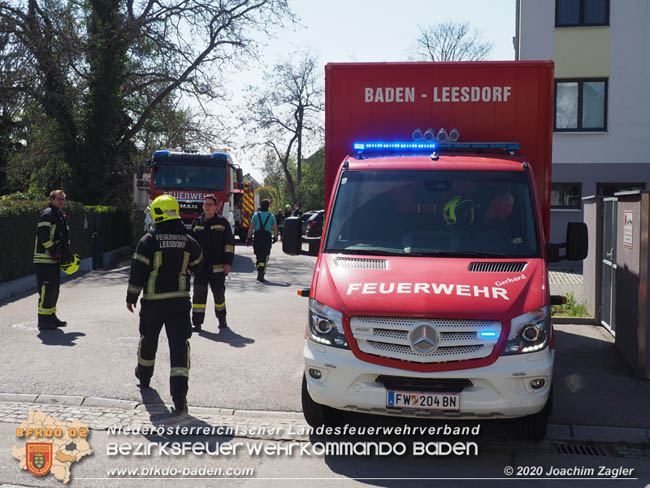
(394, 146)
(161, 153)
(418, 146)
(487, 334)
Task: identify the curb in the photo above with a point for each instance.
(11, 288)
(574, 320)
(555, 432)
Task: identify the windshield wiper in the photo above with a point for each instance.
(366, 252)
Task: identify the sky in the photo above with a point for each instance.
(374, 30)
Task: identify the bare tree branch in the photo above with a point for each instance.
(450, 41)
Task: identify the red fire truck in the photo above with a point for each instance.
(430, 294)
(190, 176)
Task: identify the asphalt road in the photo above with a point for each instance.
(257, 364)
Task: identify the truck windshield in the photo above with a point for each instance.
(434, 213)
(167, 177)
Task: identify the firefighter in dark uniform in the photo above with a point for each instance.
(262, 223)
(160, 268)
(215, 236)
(51, 254)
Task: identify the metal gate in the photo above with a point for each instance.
(608, 290)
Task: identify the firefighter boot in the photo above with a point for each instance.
(223, 323)
(260, 276)
(144, 382)
(58, 321)
(45, 322)
(197, 322)
(180, 406)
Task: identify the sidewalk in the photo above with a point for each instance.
(563, 280)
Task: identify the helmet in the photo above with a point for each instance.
(459, 210)
(287, 206)
(72, 266)
(163, 208)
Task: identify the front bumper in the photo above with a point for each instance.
(500, 390)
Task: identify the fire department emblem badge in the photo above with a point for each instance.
(38, 457)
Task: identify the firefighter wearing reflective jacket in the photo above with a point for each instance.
(160, 268)
(263, 222)
(51, 254)
(215, 236)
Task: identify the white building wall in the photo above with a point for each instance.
(628, 118)
(629, 90)
(537, 19)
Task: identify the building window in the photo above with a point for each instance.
(609, 189)
(574, 13)
(581, 105)
(566, 195)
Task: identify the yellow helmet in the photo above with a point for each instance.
(459, 210)
(163, 208)
(71, 267)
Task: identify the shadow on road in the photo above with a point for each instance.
(167, 424)
(227, 336)
(589, 371)
(57, 337)
(273, 283)
(242, 264)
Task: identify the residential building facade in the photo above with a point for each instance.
(601, 134)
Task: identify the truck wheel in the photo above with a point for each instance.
(315, 413)
(533, 427)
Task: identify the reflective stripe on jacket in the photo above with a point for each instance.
(161, 261)
(217, 241)
(51, 231)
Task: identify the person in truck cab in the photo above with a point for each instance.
(498, 223)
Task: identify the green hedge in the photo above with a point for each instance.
(18, 219)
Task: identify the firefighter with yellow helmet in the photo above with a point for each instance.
(459, 211)
(159, 269)
(51, 255)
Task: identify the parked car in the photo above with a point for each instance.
(305, 218)
(315, 224)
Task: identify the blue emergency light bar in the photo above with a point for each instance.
(418, 146)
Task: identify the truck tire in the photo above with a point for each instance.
(533, 427)
(315, 413)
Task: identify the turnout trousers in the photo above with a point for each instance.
(48, 278)
(217, 282)
(262, 248)
(174, 314)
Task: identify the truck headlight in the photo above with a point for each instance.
(529, 332)
(326, 325)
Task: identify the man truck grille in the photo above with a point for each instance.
(448, 339)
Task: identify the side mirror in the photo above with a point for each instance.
(240, 175)
(577, 242)
(576, 245)
(292, 236)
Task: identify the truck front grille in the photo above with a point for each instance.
(459, 339)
